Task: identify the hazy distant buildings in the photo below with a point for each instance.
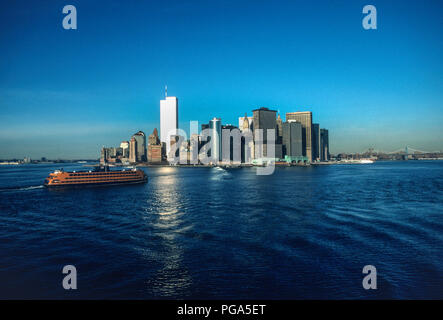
(168, 121)
(305, 118)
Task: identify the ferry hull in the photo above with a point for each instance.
(98, 184)
(60, 179)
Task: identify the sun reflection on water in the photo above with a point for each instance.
(172, 277)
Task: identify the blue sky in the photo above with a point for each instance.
(65, 93)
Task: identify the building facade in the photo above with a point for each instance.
(168, 121)
(154, 148)
(132, 150)
(265, 119)
(324, 145)
(292, 139)
(279, 129)
(216, 139)
(246, 123)
(315, 142)
(141, 154)
(125, 149)
(246, 126)
(305, 118)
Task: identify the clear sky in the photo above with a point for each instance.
(65, 93)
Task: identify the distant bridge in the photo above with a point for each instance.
(407, 150)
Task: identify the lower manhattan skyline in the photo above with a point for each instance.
(221, 158)
(69, 93)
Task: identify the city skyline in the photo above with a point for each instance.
(67, 93)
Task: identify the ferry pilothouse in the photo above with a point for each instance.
(99, 176)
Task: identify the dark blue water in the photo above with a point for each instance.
(208, 233)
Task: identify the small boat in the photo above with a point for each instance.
(99, 176)
(357, 161)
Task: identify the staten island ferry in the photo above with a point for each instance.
(98, 176)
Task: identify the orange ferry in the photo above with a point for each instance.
(99, 176)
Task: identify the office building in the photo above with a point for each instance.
(194, 147)
(154, 148)
(315, 142)
(133, 150)
(265, 119)
(305, 118)
(231, 142)
(246, 123)
(279, 129)
(153, 138)
(140, 139)
(246, 126)
(168, 121)
(125, 149)
(216, 138)
(292, 139)
(324, 145)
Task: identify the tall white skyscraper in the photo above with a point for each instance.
(168, 120)
(216, 139)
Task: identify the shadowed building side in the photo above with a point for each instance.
(324, 145)
(305, 118)
(265, 119)
(315, 142)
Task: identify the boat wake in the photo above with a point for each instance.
(26, 188)
(31, 188)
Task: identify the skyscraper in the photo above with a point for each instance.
(153, 138)
(230, 143)
(246, 126)
(279, 129)
(315, 141)
(292, 138)
(154, 147)
(216, 138)
(246, 123)
(140, 139)
(305, 118)
(324, 145)
(125, 148)
(132, 150)
(168, 120)
(266, 119)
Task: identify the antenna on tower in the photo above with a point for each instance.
(166, 91)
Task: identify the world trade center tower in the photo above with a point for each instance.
(168, 121)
